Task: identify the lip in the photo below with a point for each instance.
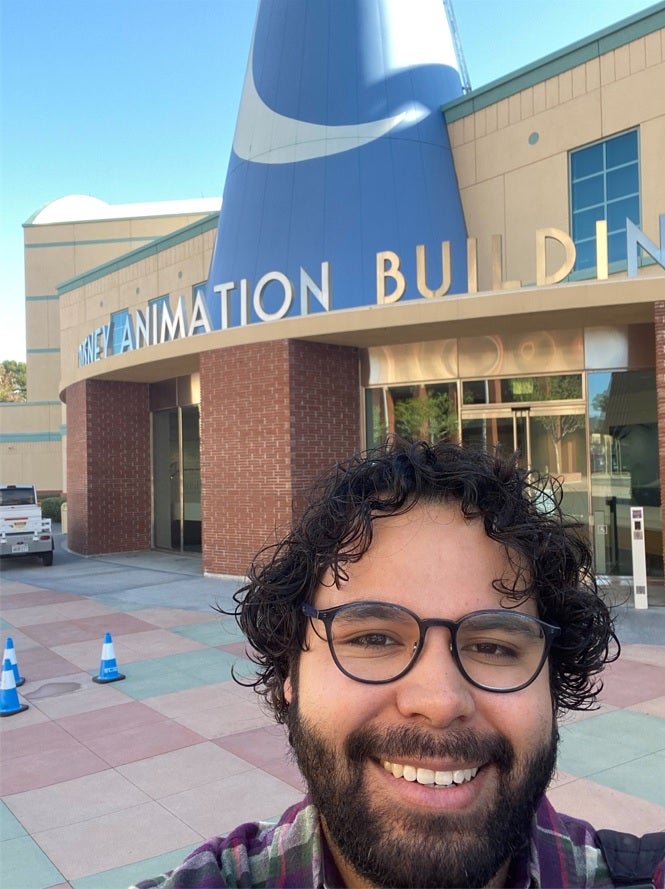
(453, 798)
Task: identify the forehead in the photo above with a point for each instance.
(431, 560)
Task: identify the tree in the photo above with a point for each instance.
(13, 386)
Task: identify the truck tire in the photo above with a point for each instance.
(47, 558)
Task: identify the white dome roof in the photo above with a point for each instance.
(84, 207)
(71, 208)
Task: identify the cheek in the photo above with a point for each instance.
(524, 717)
(529, 722)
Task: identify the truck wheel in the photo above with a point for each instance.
(47, 558)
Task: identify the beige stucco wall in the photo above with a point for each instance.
(173, 271)
(55, 252)
(27, 455)
(494, 158)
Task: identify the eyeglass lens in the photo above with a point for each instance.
(497, 649)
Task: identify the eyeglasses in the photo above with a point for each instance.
(376, 642)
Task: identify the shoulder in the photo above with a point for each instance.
(567, 852)
(285, 853)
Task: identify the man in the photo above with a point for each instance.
(418, 632)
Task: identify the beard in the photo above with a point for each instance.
(393, 847)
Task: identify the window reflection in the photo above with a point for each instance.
(426, 412)
(624, 467)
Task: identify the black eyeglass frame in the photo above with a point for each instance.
(327, 615)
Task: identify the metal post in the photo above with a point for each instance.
(639, 557)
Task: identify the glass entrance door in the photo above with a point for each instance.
(549, 438)
(176, 479)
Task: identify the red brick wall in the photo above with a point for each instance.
(77, 468)
(273, 415)
(325, 410)
(659, 322)
(108, 467)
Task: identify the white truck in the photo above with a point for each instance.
(23, 530)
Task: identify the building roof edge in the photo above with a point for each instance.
(632, 28)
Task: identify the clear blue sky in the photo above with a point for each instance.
(136, 100)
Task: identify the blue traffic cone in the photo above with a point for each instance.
(11, 654)
(9, 702)
(108, 669)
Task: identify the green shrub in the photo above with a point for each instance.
(51, 508)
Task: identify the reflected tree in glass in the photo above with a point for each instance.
(429, 415)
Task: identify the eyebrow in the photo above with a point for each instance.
(374, 609)
(523, 624)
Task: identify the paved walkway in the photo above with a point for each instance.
(102, 785)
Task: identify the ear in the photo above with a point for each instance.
(288, 689)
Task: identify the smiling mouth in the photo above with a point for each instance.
(430, 777)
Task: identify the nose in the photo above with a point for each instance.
(434, 690)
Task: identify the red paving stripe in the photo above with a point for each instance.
(629, 682)
(49, 767)
(110, 720)
(37, 597)
(36, 664)
(34, 739)
(142, 742)
(82, 629)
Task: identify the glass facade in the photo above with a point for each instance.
(118, 322)
(604, 184)
(427, 412)
(624, 467)
(595, 431)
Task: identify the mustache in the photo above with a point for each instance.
(368, 742)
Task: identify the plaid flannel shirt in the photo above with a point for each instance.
(562, 854)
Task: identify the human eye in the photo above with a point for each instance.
(493, 650)
(370, 640)
(369, 634)
(373, 639)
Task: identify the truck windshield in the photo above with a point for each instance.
(16, 496)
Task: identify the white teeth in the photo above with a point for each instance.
(410, 773)
(429, 776)
(425, 776)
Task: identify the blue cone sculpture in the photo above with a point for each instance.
(340, 160)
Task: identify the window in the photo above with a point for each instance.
(199, 290)
(156, 309)
(604, 184)
(118, 323)
(562, 387)
(421, 411)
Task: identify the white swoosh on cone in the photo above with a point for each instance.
(267, 137)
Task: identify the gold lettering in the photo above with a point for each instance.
(387, 266)
(497, 267)
(472, 265)
(555, 234)
(602, 268)
(421, 271)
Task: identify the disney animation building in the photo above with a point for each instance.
(392, 254)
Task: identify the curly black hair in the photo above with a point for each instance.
(520, 509)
